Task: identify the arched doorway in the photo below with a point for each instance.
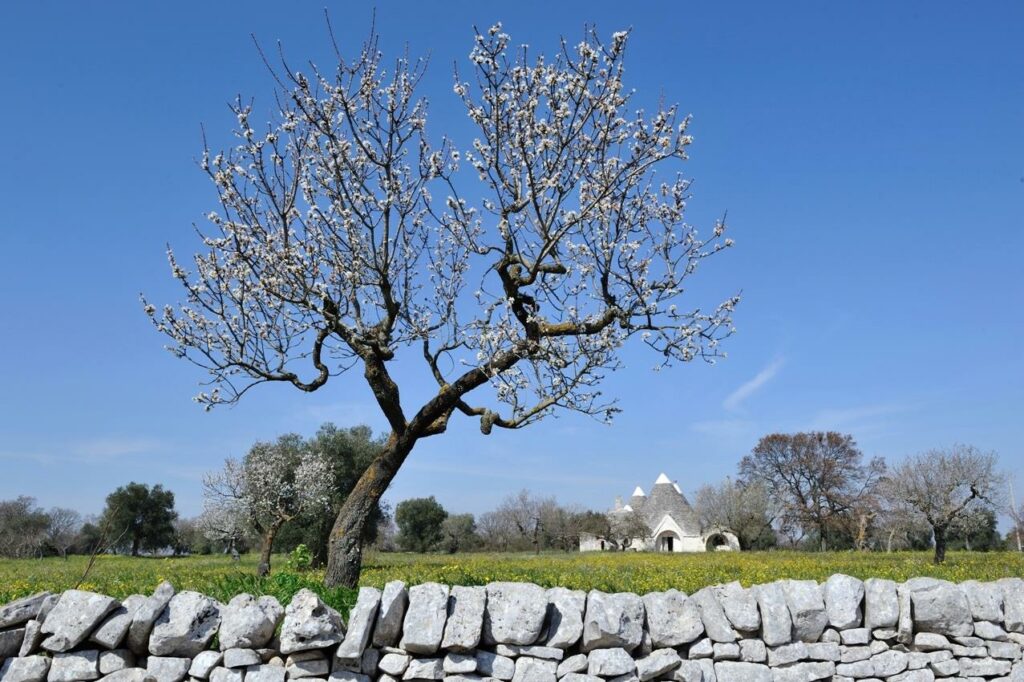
(717, 542)
(667, 542)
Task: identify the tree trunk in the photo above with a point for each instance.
(135, 546)
(345, 559)
(888, 544)
(940, 544)
(266, 548)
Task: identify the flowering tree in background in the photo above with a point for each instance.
(521, 265)
(273, 484)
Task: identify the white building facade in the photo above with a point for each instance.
(661, 522)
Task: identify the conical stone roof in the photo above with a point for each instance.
(666, 498)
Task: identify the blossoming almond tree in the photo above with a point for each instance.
(273, 484)
(517, 269)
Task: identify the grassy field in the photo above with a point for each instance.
(219, 577)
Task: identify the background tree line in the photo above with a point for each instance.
(810, 491)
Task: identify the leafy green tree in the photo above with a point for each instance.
(459, 532)
(420, 522)
(349, 451)
(141, 517)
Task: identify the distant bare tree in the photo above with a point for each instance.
(62, 531)
(23, 527)
(817, 478)
(344, 240)
(626, 526)
(942, 486)
(744, 508)
(497, 531)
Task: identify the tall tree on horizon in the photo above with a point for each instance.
(819, 479)
(521, 262)
(141, 517)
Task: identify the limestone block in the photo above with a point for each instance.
(309, 624)
(941, 607)
(22, 610)
(248, 622)
(76, 614)
(672, 618)
(186, 626)
(514, 613)
(740, 606)
(565, 617)
(843, 598)
(74, 666)
(425, 618)
(112, 631)
(737, 671)
(573, 664)
(657, 664)
(490, 664)
(393, 602)
(610, 662)
(776, 622)
(360, 624)
(881, 605)
(25, 669)
(168, 668)
(146, 615)
(465, 618)
(534, 670)
(807, 608)
(613, 620)
(716, 623)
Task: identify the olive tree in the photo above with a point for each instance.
(515, 267)
(942, 487)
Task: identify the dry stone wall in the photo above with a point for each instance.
(788, 631)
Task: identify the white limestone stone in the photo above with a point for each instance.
(248, 622)
(168, 668)
(360, 624)
(76, 614)
(112, 631)
(610, 662)
(737, 671)
(843, 596)
(490, 664)
(565, 617)
(514, 613)
(776, 622)
(146, 615)
(74, 666)
(465, 623)
(186, 626)
(613, 620)
(25, 669)
(739, 605)
(807, 608)
(672, 618)
(881, 605)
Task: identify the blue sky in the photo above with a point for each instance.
(870, 157)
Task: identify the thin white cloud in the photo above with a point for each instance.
(736, 398)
